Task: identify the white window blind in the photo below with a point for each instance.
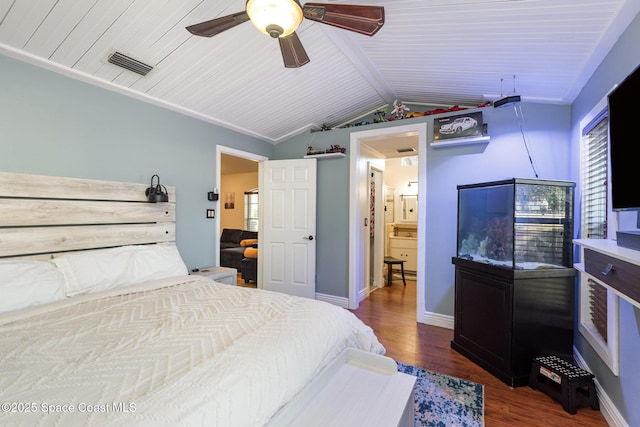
(594, 206)
(594, 185)
(598, 306)
(251, 215)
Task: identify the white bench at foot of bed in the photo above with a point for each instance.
(358, 388)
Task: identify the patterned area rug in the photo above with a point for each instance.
(445, 401)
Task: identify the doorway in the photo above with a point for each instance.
(232, 161)
(358, 208)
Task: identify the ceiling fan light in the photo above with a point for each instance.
(275, 18)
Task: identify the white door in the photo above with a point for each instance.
(288, 231)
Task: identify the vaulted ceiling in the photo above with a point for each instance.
(431, 52)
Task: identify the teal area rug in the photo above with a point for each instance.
(444, 401)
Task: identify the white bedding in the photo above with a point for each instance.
(180, 351)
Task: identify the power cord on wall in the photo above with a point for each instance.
(520, 117)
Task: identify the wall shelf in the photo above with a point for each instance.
(461, 141)
(324, 155)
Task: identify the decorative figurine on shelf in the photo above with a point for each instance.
(312, 151)
(336, 149)
(380, 115)
(398, 110)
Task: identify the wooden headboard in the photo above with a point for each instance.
(43, 215)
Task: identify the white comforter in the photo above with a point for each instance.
(184, 351)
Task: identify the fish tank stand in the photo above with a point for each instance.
(514, 281)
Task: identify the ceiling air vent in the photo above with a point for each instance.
(129, 63)
(406, 150)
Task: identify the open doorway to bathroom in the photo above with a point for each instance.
(403, 198)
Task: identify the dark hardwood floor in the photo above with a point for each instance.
(391, 312)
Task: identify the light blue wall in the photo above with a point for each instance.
(51, 124)
(505, 156)
(624, 391)
(546, 128)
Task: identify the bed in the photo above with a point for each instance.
(102, 325)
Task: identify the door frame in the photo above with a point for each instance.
(356, 254)
(222, 149)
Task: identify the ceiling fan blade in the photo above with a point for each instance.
(365, 20)
(293, 54)
(218, 25)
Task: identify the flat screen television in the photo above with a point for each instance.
(624, 145)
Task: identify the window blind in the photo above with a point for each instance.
(598, 308)
(251, 216)
(594, 185)
(594, 207)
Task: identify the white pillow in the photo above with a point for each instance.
(29, 283)
(103, 269)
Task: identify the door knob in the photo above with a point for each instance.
(309, 238)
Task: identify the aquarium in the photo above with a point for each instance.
(523, 224)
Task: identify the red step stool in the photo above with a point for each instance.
(565, 382)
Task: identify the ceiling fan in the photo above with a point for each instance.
(280, 18)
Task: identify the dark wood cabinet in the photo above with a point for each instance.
(504, 317)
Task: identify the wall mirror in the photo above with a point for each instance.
(409, 205)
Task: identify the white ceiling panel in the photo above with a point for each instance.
(431, 52)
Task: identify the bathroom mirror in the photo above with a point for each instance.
(409, 208)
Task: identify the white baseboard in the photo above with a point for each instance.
(339, 301)
(436, 319)
(608, 409)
